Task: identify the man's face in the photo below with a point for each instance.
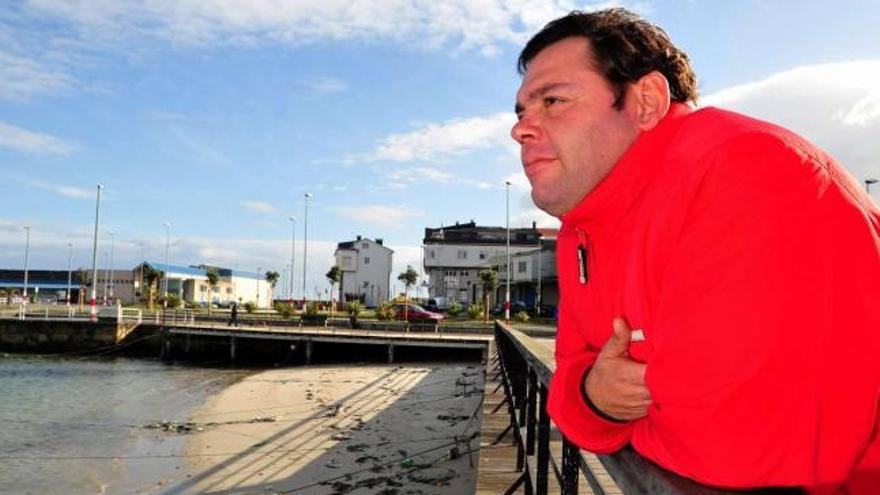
(569, 132)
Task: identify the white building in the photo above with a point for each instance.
(190, 283)
(366, 270)
(455, 255)
(533, 277)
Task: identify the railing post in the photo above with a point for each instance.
(543, 443)
(571, 468)
(531, 417)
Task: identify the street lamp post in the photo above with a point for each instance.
(93, 309)
(868, 183)
(292, 244)
(165, 272)
(258, 285)
(110, 282)
(106, 276)
(507, 285)
(69, 270)
(305, 243)
(540, 270)
(27, 248)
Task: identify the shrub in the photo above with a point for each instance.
(284, 309)
(250, 306)
(384, 312)
(454, 309)
(311, 310)
(354, 308)
(475, 311)
(521, 317)
(174, 301)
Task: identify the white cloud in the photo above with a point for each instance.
(324, 84)
(33, 142)
(836, 106)
(24, 79)
(519, 181)
(421, 174)
(438, 142)
(258, 206)
(472, 25)
(379, 215)
(66, 191)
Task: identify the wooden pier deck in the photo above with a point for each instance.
(496, 471)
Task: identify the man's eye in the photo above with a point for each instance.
(551, 100)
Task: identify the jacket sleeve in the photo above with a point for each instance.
(565, 404)
(765, 369)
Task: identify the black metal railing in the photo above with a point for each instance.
(524, 368)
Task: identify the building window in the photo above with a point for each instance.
(229, 290)
(366, 260)
(462, 254)
(431, 254)
(482, 256)
(521, 267)
(365, 245)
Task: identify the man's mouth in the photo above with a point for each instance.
(532, 165)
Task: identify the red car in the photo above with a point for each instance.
(414, 312)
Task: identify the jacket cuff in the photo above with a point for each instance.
(580, 424)
(593, 407)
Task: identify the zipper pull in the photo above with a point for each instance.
(582, 253)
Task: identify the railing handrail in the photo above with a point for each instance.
(632, 473)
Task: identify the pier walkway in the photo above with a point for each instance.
(390, 338)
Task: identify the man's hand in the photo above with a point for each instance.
(616, 383)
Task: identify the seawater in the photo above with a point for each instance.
(74, 425)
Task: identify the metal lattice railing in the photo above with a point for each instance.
(525, 370)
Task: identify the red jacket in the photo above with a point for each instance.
(751, 261)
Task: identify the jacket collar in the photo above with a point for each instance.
(602, 208)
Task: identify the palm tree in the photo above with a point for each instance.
(150, 277)
(213, 276)
(81, 276)
(409, 278)
(272, 279)
(334, 275)
(489, 278)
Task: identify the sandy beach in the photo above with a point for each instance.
(354, 429)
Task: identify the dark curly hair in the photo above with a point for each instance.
(625, 48)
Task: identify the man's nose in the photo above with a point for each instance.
(524, 130)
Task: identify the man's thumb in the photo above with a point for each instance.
(618, 344)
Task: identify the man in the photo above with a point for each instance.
(719, 276)
(233, 315)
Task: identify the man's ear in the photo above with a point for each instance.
(650, 99)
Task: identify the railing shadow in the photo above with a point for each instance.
(333, 450)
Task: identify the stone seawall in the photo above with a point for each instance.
(58, 336)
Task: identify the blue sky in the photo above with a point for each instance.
(217, 115)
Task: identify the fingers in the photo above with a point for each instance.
(618, 343)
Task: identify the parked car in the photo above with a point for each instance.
(414, 312)
(515, 307)
(432, 306)
(546, 311)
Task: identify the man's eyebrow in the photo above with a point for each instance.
(539, 92)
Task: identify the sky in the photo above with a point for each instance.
(218, 116)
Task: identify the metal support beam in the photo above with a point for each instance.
(390, 353)
(309, 352)
(232, 348)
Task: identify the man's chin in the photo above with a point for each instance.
(547, 204)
